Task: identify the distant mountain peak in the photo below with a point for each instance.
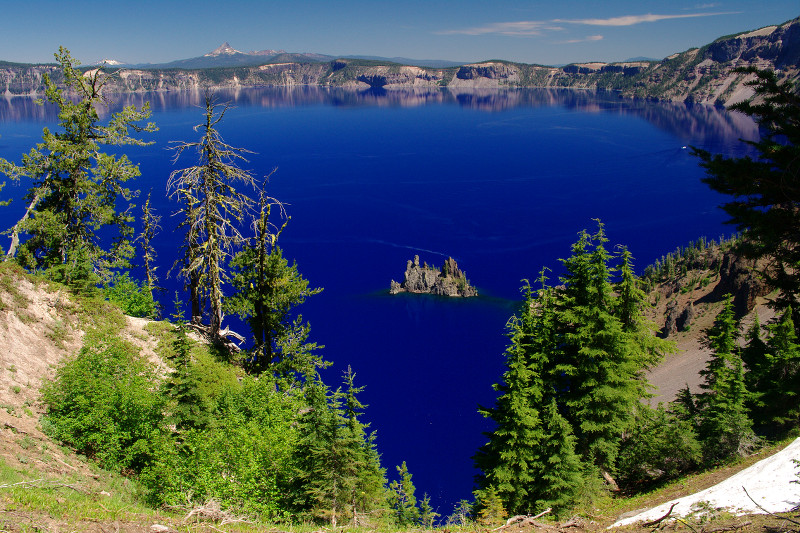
(224, 49)
(265, 52)
(109, 62)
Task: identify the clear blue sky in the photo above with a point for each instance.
(551, 32)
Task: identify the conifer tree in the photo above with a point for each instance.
(530, 458)
(317, 478)
(150, 228)
(599, 360)
(507, 460)
(560, 474)
(189, 410)
(427, 515)
(368, 477)
(765, 203)
(266, 291)
(725, 429)
(491, 510)
(338, 473)
(213, 210)
(631, 305)
(76, 189)
(778, 406)
(402, 499)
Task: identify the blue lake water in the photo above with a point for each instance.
(501, 181)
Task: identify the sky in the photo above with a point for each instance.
(552, 33)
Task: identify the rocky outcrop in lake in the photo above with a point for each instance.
(449, 281)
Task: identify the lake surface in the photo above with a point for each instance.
(501, 181)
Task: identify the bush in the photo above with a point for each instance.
(131, 296)
(659, 446)
(241, 459)
(103, 403)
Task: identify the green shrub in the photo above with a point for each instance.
(131, 296)
(659, 446)
(105, 405)
(242, 458)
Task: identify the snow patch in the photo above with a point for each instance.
(772, 482)
(758, 33)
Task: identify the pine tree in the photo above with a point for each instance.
(631, 305)
(213, 209)
(338, 472)
(491, 507)
(725, 429)
(316, 486)
(779, 387)
(189, 410)
(368, 477)
(78, 191)
(599, 359)
(560, 474)
(402, 499)
(530, 457)
(508, 460)
(765, 190)
(266, 291)
(151, 225)
(150, 228)
(427, 515)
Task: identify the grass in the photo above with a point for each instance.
(30, 497)
(10, 274)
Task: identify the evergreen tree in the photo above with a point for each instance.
(402, 499)
(659, 445)
(189, 410)
(631, 306)
(317, 465)
(600, 361)
(766, 190)
(529, 460)
(338, 472)
(368, 477)
(427, 515)
(491, 510)
(778, 390)
(725, 428)
(507, 461)
(78, 191)
(213, 210)
(150, 227)
(560, 469)
(267, 290)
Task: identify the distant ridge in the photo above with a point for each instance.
(226, 55)
(705, 75)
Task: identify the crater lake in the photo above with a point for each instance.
(502, 181)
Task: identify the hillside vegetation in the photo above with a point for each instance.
(46, 486)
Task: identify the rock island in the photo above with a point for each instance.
(449, 281)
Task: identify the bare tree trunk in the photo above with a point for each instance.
(610, 481)
(12, 249)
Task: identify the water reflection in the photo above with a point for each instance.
(682, 120)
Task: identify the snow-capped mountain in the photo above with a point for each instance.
(224, 49)
(109, 62)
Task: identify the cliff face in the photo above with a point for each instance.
(705, 74)
(449, 281)
(701, 75)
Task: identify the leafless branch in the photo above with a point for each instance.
(659, 520)
(769, 513)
